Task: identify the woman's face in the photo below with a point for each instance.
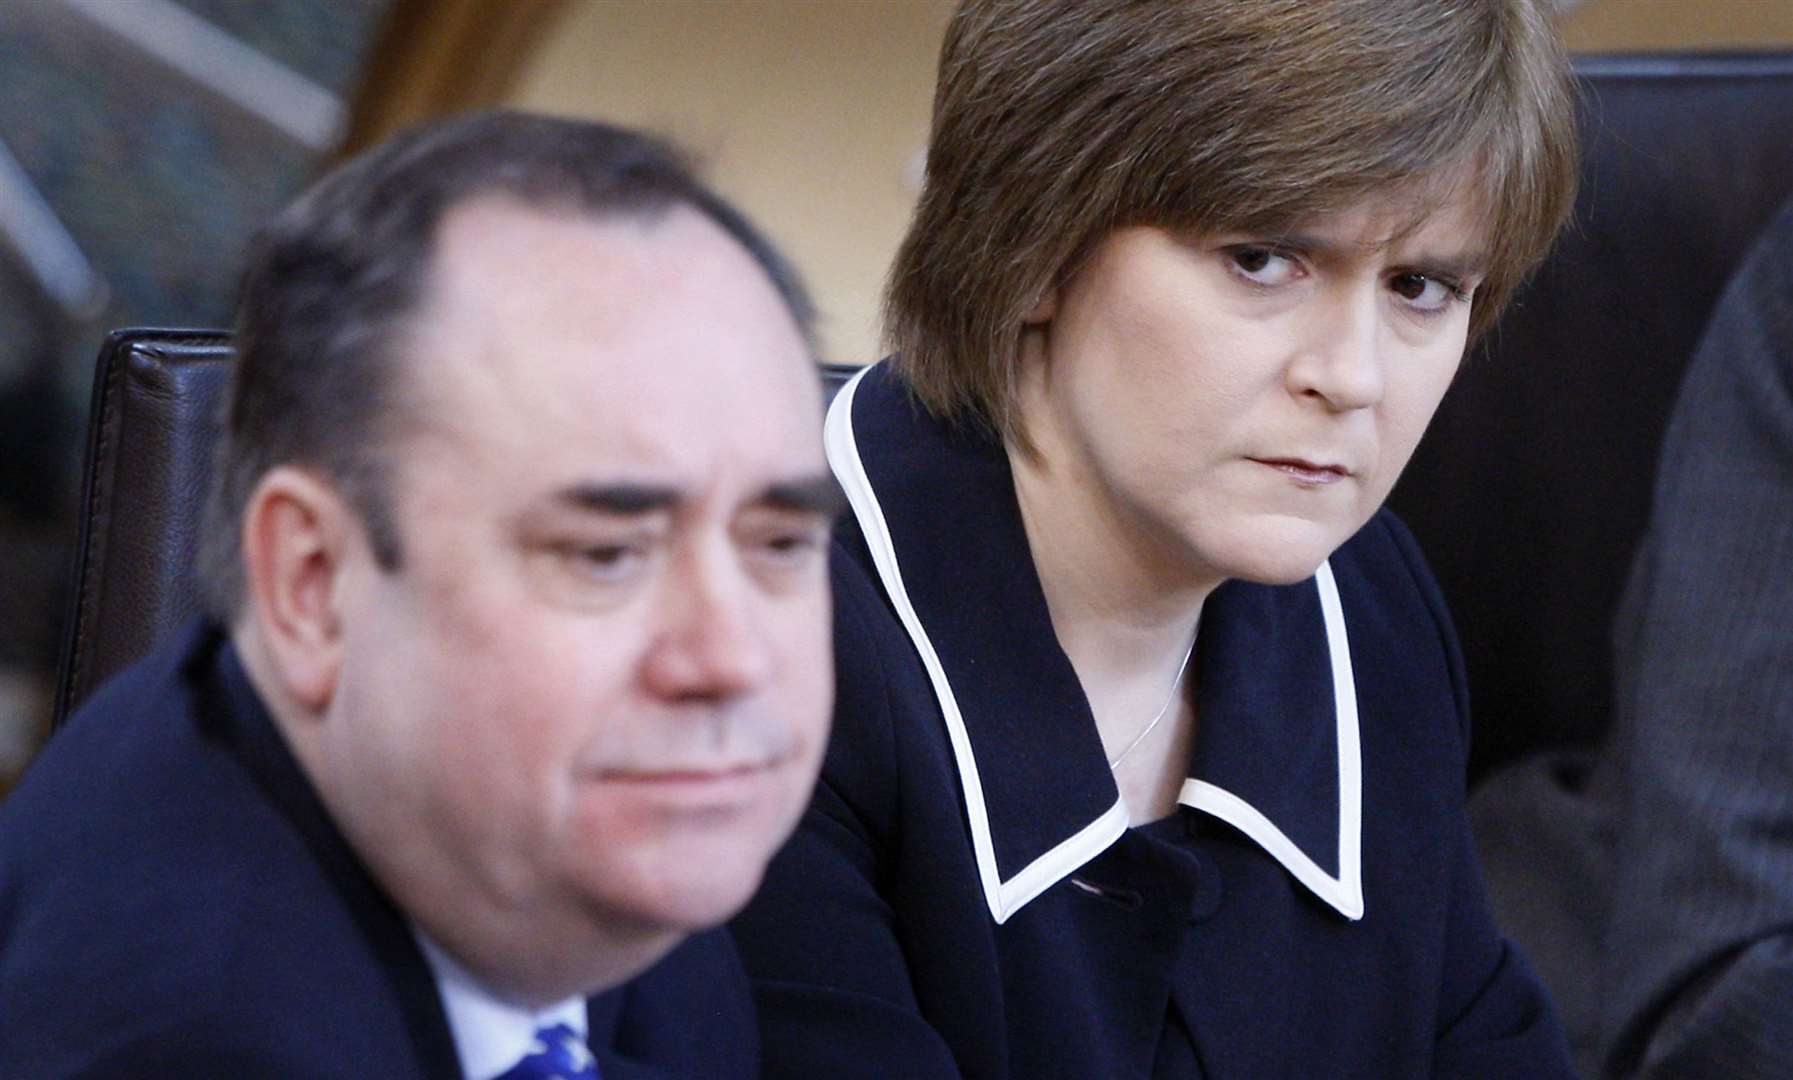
(1241, 404)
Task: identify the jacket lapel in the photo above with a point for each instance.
(1276, 749)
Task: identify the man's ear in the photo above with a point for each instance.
(1044, 309)
(297, 532)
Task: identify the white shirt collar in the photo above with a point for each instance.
(490, 1035)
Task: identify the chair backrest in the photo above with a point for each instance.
(150, 433)
(150, 438)
(1531, 491)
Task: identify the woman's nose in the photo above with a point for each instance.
(1340, 357)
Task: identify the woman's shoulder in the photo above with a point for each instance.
(887, 729)
(1402, 639)
(868, 634)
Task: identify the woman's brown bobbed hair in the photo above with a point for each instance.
(1058, 121)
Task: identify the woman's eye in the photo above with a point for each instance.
(1427, 294)
(1262, 265)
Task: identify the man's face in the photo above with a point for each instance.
(595, 693)
(1240, 405)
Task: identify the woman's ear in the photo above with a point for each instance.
(1044, 309)
(296, 534)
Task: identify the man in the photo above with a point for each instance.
(517, 671)
(1658, 895)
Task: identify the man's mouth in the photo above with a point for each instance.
(685, 774)
(692, 785)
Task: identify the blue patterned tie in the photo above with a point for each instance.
(557, 1054)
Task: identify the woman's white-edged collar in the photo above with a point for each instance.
(1005, 896)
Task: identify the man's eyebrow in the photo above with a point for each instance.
(620, 498)
(817, 494)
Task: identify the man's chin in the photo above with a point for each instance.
(704, 891)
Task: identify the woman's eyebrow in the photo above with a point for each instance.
(1469, 264)
(1461, 264)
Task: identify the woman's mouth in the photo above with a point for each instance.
(1305, 472)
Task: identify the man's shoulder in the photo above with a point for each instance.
(132, 798)
(153, 900)
(119, 787)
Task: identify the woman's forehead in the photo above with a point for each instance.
(1453, 201)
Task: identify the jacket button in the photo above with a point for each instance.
(1208, 890)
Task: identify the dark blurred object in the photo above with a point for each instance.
(150, 434)
(1531, 490)
(35, 425)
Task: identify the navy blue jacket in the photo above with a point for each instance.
(174, 901)
(964, 897)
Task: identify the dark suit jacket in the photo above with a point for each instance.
(174, 900)
(1656, 887)
(964, 897)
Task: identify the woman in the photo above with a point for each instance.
(1149, 743)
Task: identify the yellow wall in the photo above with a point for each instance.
(1617, 25)
(806, 113)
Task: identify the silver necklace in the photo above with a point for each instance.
(1162, 709)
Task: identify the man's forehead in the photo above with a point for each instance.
(558, 351)
(569, 304)
(481, 241)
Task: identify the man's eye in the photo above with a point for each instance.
(788, 548)
(1262, 266)
(603, 562)
(792, 546)
(1425, 294)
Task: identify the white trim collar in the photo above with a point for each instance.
(1005, 897)
(1344, 892)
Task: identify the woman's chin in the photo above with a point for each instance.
(1281, 550)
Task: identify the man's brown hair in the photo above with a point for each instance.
(1059, 121)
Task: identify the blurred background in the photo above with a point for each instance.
(142, 141)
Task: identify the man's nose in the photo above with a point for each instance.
(1340, 360)
(708, 643)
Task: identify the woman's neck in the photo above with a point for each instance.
(1124, 620)
(1114, 607)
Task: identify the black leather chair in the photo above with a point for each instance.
(150, 432)
(1531, 490)
(1529, 494)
